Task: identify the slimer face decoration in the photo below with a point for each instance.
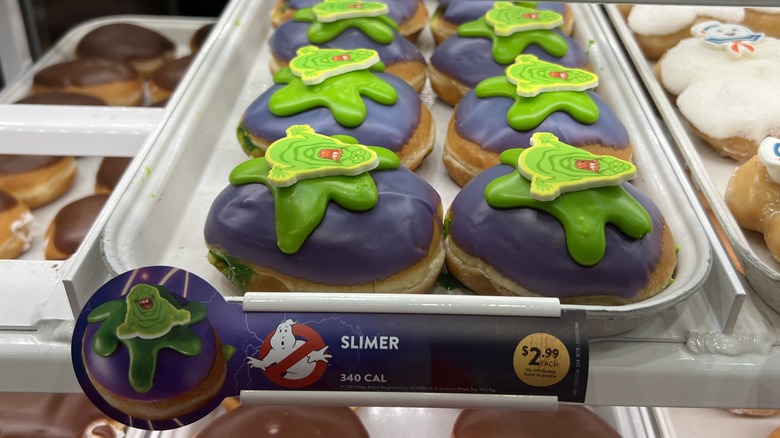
(148, 315)
(332, 17)
(146, 322)
(512, 28)
(592, 199)
(506, 18)
(313, 65)
(305, 171)
(540, 88)
(338, 87)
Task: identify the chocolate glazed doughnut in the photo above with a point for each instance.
(116, 83)
(70, 226)
(144, 49)
(566, 421)
(165, 79)
(110, 171)
(36, 179)
(15, 226)
(286, 421)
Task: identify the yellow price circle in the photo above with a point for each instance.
(541, 360)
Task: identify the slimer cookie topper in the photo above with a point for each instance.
(533, 76)
(769, 155)
(507, 19)
(334, 10)
(148, 315)
(314, 65)
(304, 154)
(554, 167)
(735, 39)
(300, 207)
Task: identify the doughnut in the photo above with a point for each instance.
(410, 15)
(286, 422)
(144, 49)
(36, 180)
(24, 415)
(116, 83)
(60, 98)
(109, 173)
(556, 222)
(165, 79)
(337, 28)
(376, 108)
(199, 37)
(753, 194)
(380, 232)
(485, 47)
(564, 422)
(71, 225)
(137, 363)
(498, 115)
(16, 226)
(774, 434)
(658, 28)
(725, 87)
(452, 13)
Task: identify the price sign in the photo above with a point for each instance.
(155, 337)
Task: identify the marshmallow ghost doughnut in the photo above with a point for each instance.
(753, 194)
(725, 86)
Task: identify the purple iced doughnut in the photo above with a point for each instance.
(390, 127)
(291, 36)
(470, 60)
(483, 121)
(347, 247)
(528, 246)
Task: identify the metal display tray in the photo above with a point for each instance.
(160, 221)
(711, 173)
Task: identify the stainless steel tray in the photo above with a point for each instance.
(160, 220)
(711, 174)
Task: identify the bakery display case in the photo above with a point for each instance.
(709, 340)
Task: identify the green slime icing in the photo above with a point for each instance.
(301, 206)
(152, 321)
(341, 94)
(143, 352)
(506, 48)
(381, 29)
(529, 112)
(583, 214)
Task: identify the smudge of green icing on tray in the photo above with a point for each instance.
(381, 29)
(232, 268)
(554, 167)
(528, 112)
(507, 18)
(143, 352)
(314, 65)
(301, 206)
(583, 214)
(506, 48)
(342, 94)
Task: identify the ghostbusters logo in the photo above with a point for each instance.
(292, 356)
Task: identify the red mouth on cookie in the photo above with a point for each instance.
(330, 154)
(344, 57)
(533, 16)
(355, 6)
(560, 74)
(592, 165)
(145, 303)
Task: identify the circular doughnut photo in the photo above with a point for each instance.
(145, 352)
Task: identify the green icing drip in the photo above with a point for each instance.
(342, 94)
(143, 352)
(381, 29)
(529, 112)
(301, 206)
(245, 140)
(583, 214)
(507, 48)
(449, 282)
(232, 268)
